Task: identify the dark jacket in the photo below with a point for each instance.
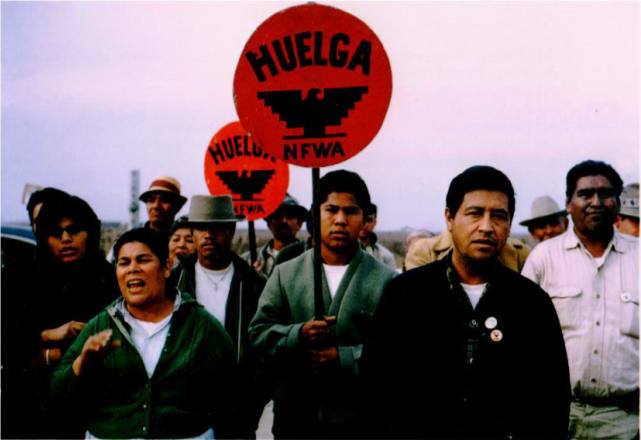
(246, 287)
(37, 297)
(191, 389)
(441, 369)
(292, 251)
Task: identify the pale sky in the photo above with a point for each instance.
(92, 90)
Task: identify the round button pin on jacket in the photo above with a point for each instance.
(490, 322)
(496, 335)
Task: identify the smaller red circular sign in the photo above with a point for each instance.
(235, 165)
(313, 85)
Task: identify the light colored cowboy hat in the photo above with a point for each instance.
(543, 207)
(630, 200)
(212, 209)
(164, 184)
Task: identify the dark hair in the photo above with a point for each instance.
(42, 196)
(372, 209)
(480, 177)
(179, 224)
(344, 181)
(155, 241)
(592, 168)
(75, 209)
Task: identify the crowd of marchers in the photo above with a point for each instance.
(479, 337)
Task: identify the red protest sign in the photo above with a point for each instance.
(313, 85)
(235, 165)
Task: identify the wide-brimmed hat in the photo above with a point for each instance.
(291, 203)
(630, 200)
(543, 207)
(212, 209)
(164, 184)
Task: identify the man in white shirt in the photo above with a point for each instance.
(591, 273)
(228, 289)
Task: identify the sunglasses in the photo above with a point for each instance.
(72, 229)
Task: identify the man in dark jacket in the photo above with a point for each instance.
(228, 289)
(464, 347)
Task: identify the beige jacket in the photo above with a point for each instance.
(427, 250)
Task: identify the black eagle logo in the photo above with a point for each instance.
(313, 114)
(246, 183)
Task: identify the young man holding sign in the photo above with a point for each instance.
(318, 387)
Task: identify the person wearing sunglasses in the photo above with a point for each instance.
(48, 304)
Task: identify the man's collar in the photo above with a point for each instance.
(268, 248)
(454, 278)
(572, 241)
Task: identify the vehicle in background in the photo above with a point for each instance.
(18, 245)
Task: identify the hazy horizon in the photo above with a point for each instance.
(92, 90)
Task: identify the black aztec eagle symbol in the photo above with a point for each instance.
(313, 114)
(245, 184)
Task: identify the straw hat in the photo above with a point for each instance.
(164, 184)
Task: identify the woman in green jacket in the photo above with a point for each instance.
(154, 364)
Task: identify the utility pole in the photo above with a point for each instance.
(134, 206)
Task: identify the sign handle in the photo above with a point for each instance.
(319, 307)
(252, 242)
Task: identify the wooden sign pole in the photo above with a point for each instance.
(319, 307)
(252, 242)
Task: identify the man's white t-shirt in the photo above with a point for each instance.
(334, 275)
(212, 289)
(474, 292)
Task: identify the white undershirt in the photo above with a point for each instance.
(149, 337)
(474, 292)
(334, 275)
(600, 260)
(212, 289)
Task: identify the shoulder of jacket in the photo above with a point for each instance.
(297, 263)
(516, 243)
(375, 267)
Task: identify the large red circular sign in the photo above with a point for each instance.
(236, 165)
(313, 85)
